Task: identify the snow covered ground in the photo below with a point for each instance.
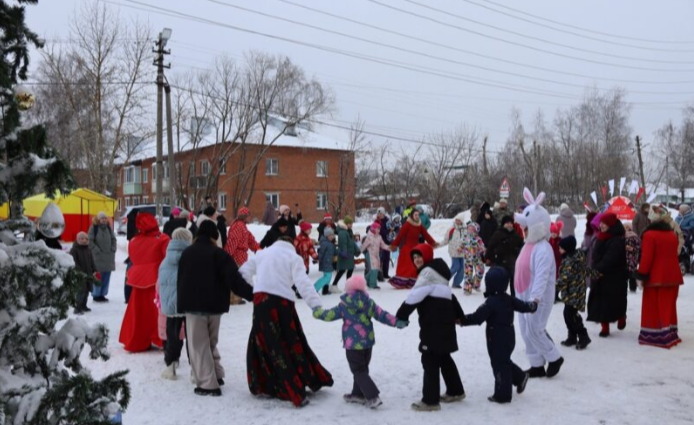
(614, 381)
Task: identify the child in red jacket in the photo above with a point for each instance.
(304, 244)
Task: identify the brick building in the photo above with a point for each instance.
(300, 167)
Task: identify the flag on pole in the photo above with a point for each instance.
(634, 188)
(651, 197)
(604, 193)
(611, 183)
(586, 206)
(622, 181)
(639, 194)
(594, 197)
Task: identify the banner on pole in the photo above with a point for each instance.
(622, 181)
(651, 197)
(611, 183)
(594, 197)
(634, 188)
(639, 194)
(505, 189)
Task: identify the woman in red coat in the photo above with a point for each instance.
(146, 251)
(406, 272)
(659, 273)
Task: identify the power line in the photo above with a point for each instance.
(588, 37)
(588, 30)
(411, 37)
(525, 46)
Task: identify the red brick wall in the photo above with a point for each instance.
(296, 181)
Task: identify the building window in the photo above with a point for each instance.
(272, 167)
(166, 169)
(127, 201)
(192, 202)
(132, 175)
(204, 168)
(222, 201)
(120, 205)
(191, 168)
(322, 168)
(154, 172)
(118, 178)
(145, 175)
(145, 199)
(222, 166)
(165, 200)
(273, 198)
(322, 201)
(136, 200)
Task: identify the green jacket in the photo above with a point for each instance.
(346, 248)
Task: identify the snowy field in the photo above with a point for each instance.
(613, 381)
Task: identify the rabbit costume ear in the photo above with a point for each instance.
(529, 198)
(540, 198)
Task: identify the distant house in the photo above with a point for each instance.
(300, 167)
(671, 196)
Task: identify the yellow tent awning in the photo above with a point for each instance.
(80, 201)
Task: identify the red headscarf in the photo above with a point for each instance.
(610, 219)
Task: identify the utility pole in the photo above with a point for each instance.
(640, 159)
(170, 149)
(667, 181)
(159, 63)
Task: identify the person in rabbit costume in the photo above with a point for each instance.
(535, 280)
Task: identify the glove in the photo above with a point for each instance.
(343, 255)
(401, 324)
(315, 261)
(533, 306)
(317, 312)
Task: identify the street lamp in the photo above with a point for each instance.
(164, 36)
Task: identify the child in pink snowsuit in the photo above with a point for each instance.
(373, 244)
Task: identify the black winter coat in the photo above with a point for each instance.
(206, 275)
(487, 229)
(53, 243)
(437, 317)
(293, 222)
(84, 260)
(503, 249)
(274, 233)
(607, 301)
(174, 224)
(222, 228)
(131, 229)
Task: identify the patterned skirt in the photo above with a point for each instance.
(402, 282)
(279, 360)
(659, 317)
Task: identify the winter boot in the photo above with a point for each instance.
(445, 398)
(536, 372)
(570, 341)
(605, 330)
(622, 323)
(204, 392)
(583, 340)
(373, 403)
(169, 372)
(521, 387)
(495, 400)
(553, 367)
(351, 398)
(421, 406)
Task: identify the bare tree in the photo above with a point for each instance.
(346, 172)
(103, 75)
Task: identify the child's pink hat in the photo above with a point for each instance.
(355, 284)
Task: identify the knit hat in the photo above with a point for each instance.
(348, 220)
(568, 244)
(684, 209)
(425, 250)
(473, 225)
(284, 208)
(208, 229)
(563, 207)
(328, 231)
(305, 226)
(209, 211)
(101, 215)
(503, 201)
(327, 216)
(243, 212)
(610, 219)
(182, 234)
(506, 219)
(496, 205)
(184, 214)
(381, 210)
(175, 212)
(496, 281)
(375, 227)
(556, 227)
(355, 284)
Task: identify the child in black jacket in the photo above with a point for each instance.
(439, 311)
(497, 310)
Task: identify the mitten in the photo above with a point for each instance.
(400, 324)
(533, 306)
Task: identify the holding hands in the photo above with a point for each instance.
(401, 324)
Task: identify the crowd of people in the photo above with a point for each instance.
(196, 268)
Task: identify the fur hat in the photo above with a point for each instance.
(503, 201)
(348, 220)
(506, 219)
(208, 228)
(182, 234)
(355, 283)
(175, 212)
(396, 217)
(243, 212)
(425, 250)
(460, 217)
(327, 216)
(305, 226)
(657, 212)
(328, 231)
(556, 227)
(610, 219)
(568, 244)
(563, 207)
(284, 209)
(496, 205)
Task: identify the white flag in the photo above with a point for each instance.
(594, 196)
(651, 197)
(634, 188)
(622, 181)
(611, 183)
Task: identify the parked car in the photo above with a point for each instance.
(148, 208)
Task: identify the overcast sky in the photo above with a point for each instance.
(644, 46)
